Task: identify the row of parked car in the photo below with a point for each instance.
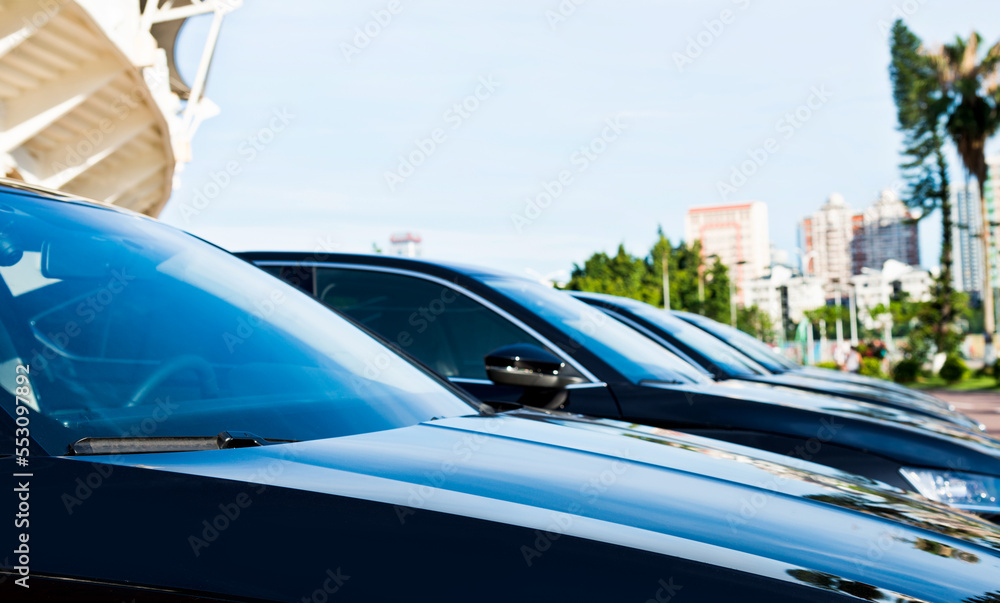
(192, 425)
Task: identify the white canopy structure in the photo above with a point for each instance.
(91, 101)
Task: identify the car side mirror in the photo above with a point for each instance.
(527, 365)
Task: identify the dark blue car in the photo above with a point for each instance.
(501, 337)
(179, 426)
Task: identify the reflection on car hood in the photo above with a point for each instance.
(643, 488)
(801, 380)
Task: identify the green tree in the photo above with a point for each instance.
(717, 291)
(830, 314)
(642, 278)
(904, 313)
(920, 112)
(621, 275)
(755, 321)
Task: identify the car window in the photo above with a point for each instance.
(748, 344)
(445, 329)
(717, 352)
(130, 327)
(633, 355)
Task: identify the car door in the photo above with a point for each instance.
(446, 327)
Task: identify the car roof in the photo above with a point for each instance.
(10, 185)
(377, 259)
(617, 300)
(24, 189)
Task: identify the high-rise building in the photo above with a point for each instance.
(968, 249)
(967, 216)
(885, 231)
(826, 238)
(993, 210)
(737, 234)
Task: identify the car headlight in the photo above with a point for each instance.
(968, 491)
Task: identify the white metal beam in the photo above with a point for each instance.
(20, 19)
(131, 172)
(28, 114)
(63, 164)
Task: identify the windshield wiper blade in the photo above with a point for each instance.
(138, 445)
(655, 382)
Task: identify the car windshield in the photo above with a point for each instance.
(748, 344)
(633, 355)
(128, 327)
(728, 358)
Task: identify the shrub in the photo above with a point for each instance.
(828, 365)
(954, 369)
(906, 370)
(872, 367)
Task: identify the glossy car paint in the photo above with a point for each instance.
(481, 506)
(566, 506)
(864, 438)
(638, 315)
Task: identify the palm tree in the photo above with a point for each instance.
(948, 91)
(969, 84)
(920, 112)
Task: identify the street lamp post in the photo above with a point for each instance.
(732, 302)
(840, 307)
(666, 278)
(853, 304)
(732, 295)
(701, 276)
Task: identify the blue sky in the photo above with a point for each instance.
(502, 102)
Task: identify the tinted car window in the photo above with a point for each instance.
(748, 344)
(130, 327)
(443, 328)
(732, 361)
(635, 356)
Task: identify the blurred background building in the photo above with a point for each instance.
(967, 230)
(405, 244)
(785, 294)
(968, 250)
(738, 235)
(826, 238)
(885, 231)
(840, 243)
(91, 100)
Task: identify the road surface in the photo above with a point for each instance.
(982, 405)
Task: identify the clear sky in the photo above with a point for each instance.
(502, 101)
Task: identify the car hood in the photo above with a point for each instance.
(806, 381)
(863, 380)
(643, 488)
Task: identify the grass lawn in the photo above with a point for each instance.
(965, 385)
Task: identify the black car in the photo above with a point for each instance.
(777, 364)
(179, 426)
(728, 361)
(509, 339)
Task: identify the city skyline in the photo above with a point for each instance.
(537, 132)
